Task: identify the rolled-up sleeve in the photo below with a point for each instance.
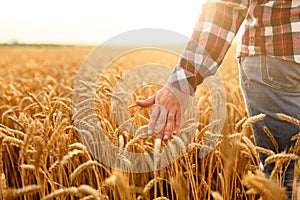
(213, 34)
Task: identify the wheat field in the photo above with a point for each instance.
(42, 155)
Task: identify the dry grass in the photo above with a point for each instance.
(42, 157)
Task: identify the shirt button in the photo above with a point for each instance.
(251, 38)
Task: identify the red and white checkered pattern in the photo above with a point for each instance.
(271, 28)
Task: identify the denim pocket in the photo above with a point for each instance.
(281, 74)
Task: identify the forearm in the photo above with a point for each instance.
(212, 36)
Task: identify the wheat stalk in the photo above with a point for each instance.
(131, 142)
(37, 101)
(6, 132)
(70, 155)
(250, 145)
(180, 186)
(3, 185)
(272, 138)
(90, 191)
(268, 188)
(296, 147)
(65, 107)
(21, 125)
(240, 123)
(151, 183)
(180, 143)
(268, 152)
(172, 149)
(77, 145)
(12, 141)
(60, 192)
(85, 165)
(289, 119)
(281, 156)
(157, 146)
(5, 113)
(29, 189)
(253, 119)
(277, 169)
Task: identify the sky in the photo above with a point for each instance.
(91, 22)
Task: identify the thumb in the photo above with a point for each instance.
(147, 102)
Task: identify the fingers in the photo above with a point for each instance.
(155, 113)
(164, 122)
(169, 125)
(147, 102)
(165, 118)
(177, 123)
(161, 122)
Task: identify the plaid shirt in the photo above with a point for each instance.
(271, 28)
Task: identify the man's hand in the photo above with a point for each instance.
(169, 106)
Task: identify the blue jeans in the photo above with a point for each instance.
(270, 86)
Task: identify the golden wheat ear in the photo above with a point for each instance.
(259, 184)
(290, 119)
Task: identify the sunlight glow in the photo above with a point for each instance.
(91, 21)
